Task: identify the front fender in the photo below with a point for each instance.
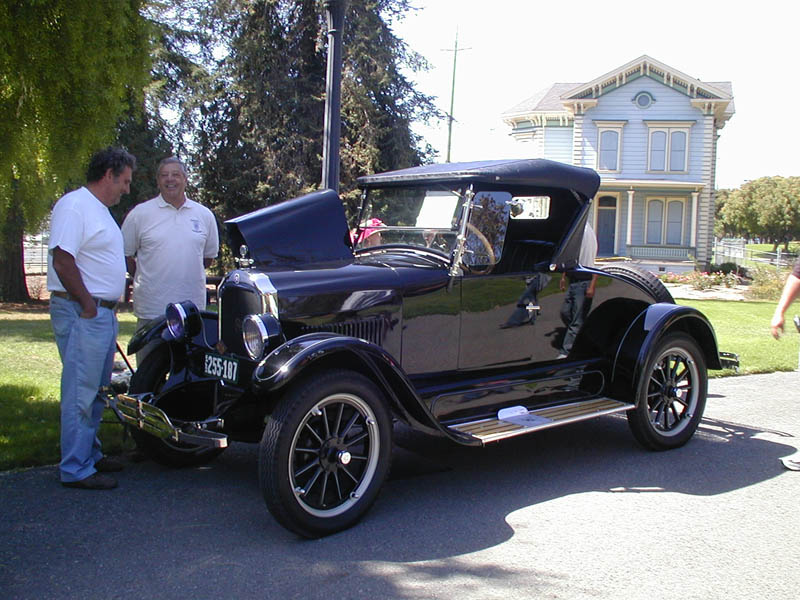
(299, 355)
(644, 333)
(157, 330)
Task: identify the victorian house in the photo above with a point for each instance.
(651, 132)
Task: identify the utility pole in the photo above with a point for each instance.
(455, 51)
(333, 86)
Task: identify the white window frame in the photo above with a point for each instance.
(615, 126)
(668, 128)
(666, 201)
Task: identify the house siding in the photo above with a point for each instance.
(579, 145)
(669, 105)
(609, 102)
(705, 217)
(558, 144)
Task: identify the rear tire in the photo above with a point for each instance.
(325, 453)
(671, 394)
(645, 278)
(151, 377)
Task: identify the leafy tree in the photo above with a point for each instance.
(147, 138)
(67, 71)
(738, 214)
(163, 121)
(260, 139)
(768, 207)
(721, 199)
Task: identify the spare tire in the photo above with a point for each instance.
(644, 279)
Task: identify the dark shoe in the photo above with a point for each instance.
(95, 481)
(108, 465)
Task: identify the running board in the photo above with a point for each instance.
(519, 421)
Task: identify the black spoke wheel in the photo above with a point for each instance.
(671, 394)
(151, 377)
(325, 453)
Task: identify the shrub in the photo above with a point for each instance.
(767, 282)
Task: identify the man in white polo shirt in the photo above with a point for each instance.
(169, 242)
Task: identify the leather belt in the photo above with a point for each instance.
(98, 301)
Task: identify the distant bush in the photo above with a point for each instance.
(767, 282)
(725, 268)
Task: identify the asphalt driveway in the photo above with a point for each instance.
(576, 512)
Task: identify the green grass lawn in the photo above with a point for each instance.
(30, 372)
(743, 328)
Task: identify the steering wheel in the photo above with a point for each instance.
(489, 252)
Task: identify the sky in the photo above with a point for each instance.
(514, 48)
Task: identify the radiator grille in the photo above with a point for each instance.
(235, 304)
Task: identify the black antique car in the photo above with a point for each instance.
(440, 308)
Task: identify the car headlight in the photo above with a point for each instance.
(183, 319)
(256, 333)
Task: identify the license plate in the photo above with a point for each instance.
(221, 367)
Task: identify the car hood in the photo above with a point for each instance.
(304, 231)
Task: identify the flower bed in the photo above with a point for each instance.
(701, 280)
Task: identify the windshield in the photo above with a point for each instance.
(425, 217)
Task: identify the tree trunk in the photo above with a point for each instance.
(13, 287)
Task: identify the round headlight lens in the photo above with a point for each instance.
(176, 320)
(183, 319)
(255, 336)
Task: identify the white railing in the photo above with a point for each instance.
(659, 252)
(735, 251)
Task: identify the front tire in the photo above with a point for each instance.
(151, 377)
(325, 453)
(671, 394)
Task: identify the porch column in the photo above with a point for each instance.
(695, 196)
(629, 233)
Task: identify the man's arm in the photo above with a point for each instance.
(590, 288)
(207, 262)
(130, 265)
(790, 292)
(70, 277)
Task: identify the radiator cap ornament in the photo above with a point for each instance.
(242, 259)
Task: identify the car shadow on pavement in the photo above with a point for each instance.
(441, 501)
(459, 489)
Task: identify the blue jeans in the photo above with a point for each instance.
(573, 312)
(86, 348)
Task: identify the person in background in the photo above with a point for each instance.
(580, 292)
(170, 241)
(86, 277)
(791, 291)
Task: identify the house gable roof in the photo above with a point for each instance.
(564, 100)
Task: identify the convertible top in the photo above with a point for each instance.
(534, 172)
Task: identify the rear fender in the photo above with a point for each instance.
(157, 330)
(644, 333)
(303, 355)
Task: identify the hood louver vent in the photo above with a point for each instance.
(372, 329)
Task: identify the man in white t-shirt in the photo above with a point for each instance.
(86, 277)
(170, 241)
